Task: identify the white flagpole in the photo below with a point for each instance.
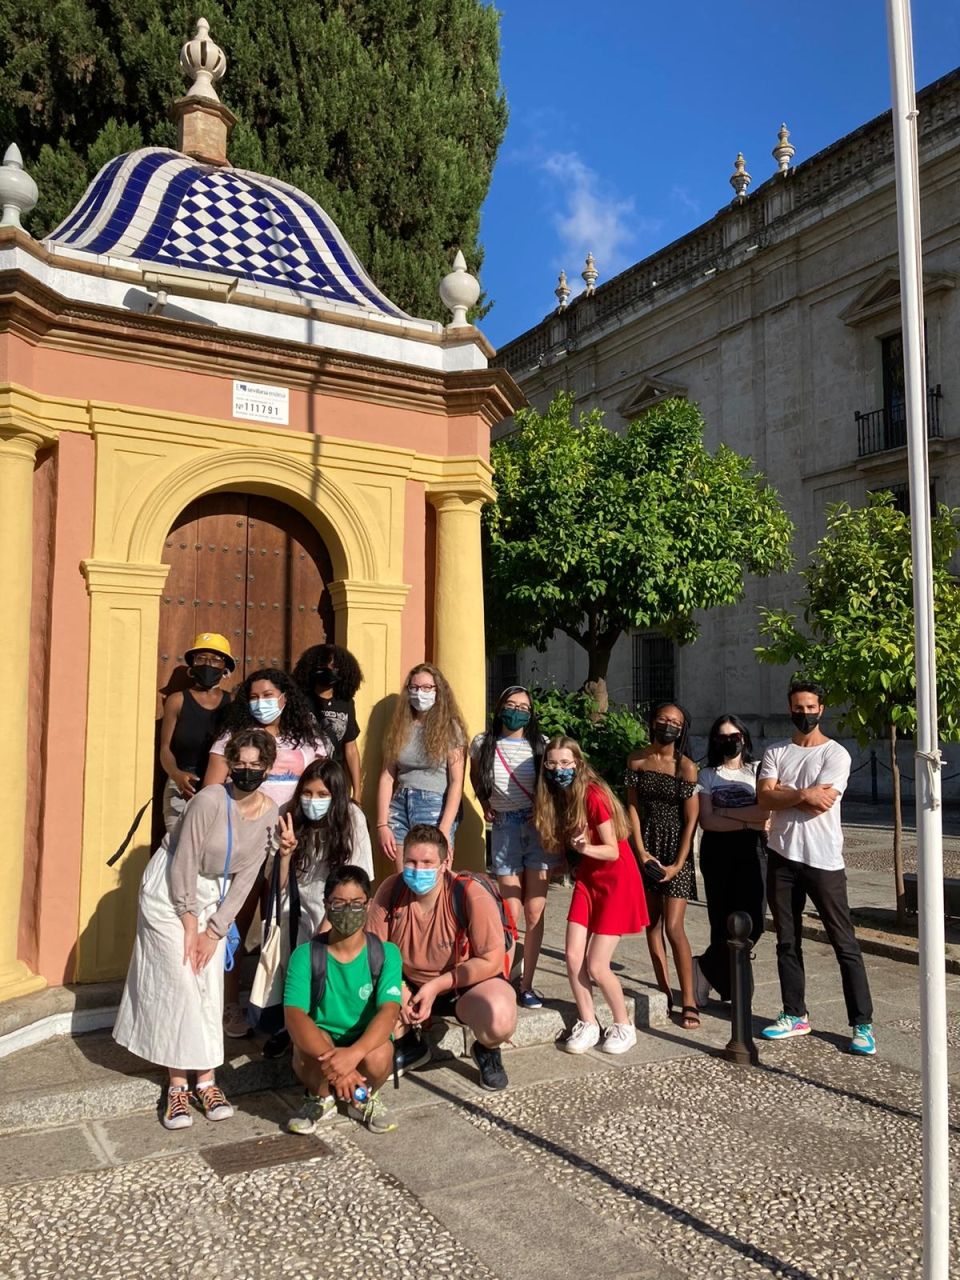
(933, 1007)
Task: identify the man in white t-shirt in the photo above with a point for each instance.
(801, 782)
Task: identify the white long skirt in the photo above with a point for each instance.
(170, 1015)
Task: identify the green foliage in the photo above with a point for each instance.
(606, 741)
(858, 613)
(388, 113)
(594, 533)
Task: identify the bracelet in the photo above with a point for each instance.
(381, 825)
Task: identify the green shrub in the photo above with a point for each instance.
(606, 742)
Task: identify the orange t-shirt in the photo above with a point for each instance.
(427, 940)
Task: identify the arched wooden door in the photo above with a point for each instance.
(251, 569)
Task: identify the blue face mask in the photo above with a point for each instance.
(420, 879)
(560, 777)
(315, 807)
(514, 718)
(266, 710)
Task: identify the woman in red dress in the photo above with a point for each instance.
(576, 813)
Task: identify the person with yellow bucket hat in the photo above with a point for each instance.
(191, 721)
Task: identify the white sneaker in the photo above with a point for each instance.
(619, 1038)
(583, 1037)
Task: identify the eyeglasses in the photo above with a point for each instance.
(677, 724)
(336, 903)
(208, 660)
(422, 688)
(516, 706)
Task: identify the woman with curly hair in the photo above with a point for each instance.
(268, 699)
(577, 814)
(424, 758)
(661, 782)
(330, 676)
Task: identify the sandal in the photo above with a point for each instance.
(690, 1017)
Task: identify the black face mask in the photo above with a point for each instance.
(247, 780)
(324, 678)
(665, 733)
(730, 744)
(805, 722)
(206, 677)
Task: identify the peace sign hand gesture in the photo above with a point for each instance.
(288, 840)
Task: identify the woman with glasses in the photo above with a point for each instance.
(424, 760)
(268, 700)
(731, 850)
(504, 769)
(661, 783)
(191, 720)
(191, 891)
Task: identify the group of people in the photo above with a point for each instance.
(261, 808)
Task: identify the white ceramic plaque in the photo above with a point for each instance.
(261, 403)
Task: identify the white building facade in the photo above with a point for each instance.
(780, 317)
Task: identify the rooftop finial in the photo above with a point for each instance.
(459, 291)
(590, 275)
(18, 191)
(784, 151)
(740, 179)
(204, 62)
(562, 291)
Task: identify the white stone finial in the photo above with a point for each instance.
(18, 191)
(459, 291)
(740, 179)
(204, 62)
(562, 291)
(590, 275)
(784, 151)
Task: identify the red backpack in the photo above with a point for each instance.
(462, 943)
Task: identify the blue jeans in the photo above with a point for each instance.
(515, 845)
(411, 807)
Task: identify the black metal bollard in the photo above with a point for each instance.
(874, 789)
(741, 1048)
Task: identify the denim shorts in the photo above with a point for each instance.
(515, 845)
(411, 807)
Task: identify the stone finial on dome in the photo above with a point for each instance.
(204, 62)
(784, 151)
(590, 275)
(459, 291)
(18, 191)
(740, 179)
(562, 291)
(203, 122)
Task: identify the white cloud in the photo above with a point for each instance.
(590, 217)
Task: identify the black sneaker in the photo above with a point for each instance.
(492, 1074)
(409, 1052)
(276, 1045)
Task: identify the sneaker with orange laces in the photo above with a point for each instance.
(211, 1098)
(178, 1114)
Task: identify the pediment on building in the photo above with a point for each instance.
(882, 294)
(646, 393)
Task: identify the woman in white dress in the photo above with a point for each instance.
(172, 1007)
(330, 831)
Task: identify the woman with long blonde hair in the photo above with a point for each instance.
(424, 758)
(576, 813)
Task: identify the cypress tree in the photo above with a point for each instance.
(387, 112)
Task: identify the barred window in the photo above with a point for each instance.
(501, 672)
(654, 670)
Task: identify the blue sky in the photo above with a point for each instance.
(626, 117)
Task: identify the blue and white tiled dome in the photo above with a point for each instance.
(159, 206)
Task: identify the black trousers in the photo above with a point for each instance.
(732, 871)
(788, 886)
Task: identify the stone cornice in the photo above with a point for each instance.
(36, 313)
(765, 216)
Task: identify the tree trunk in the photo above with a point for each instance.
(598, 660)
(897, 829)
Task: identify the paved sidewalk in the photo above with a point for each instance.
(669, 1163)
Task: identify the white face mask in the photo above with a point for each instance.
(422, 699)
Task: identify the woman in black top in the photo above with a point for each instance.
(330, 676)
(191, 721)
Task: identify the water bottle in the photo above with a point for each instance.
(360, 1094)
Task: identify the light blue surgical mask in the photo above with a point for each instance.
(315, 807)
(560, 777)
(266, 710)
(420, 879)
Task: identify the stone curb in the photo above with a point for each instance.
(118, 1094)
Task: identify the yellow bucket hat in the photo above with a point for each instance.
(211, 642)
